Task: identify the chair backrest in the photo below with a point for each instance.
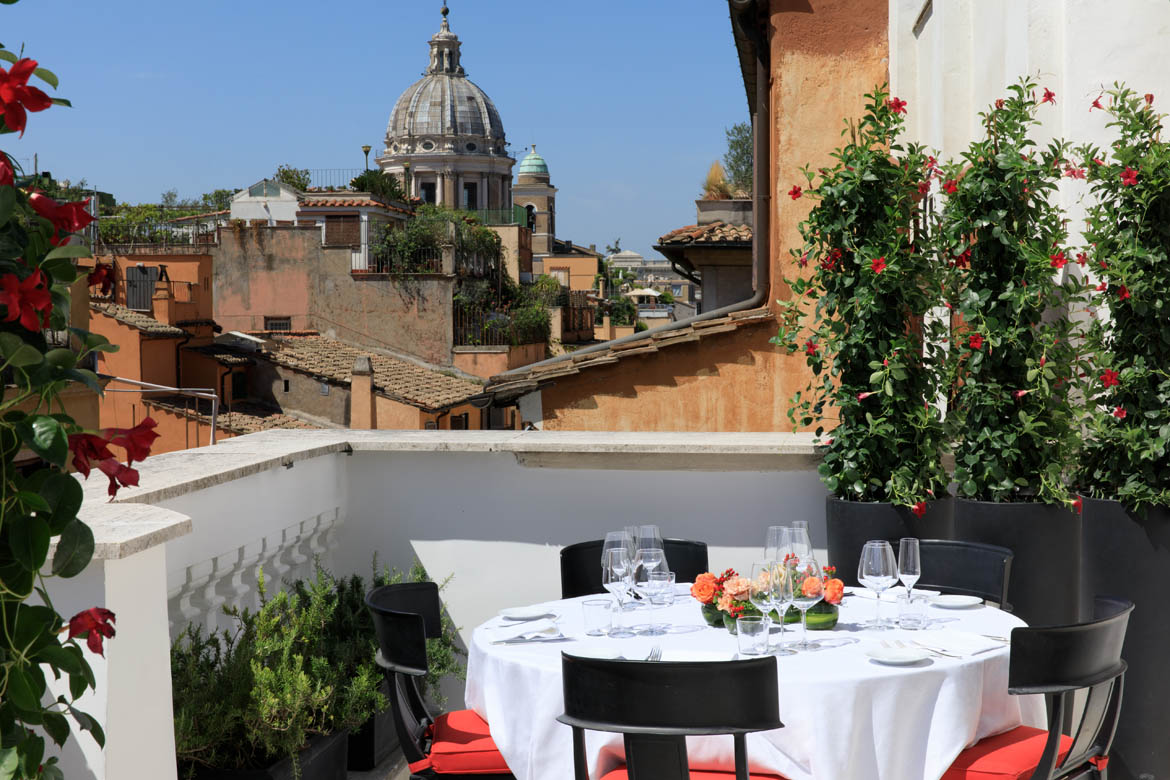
(581, 564)
(1058, 661)
(405, 615)
(657, 704)
(966, 568)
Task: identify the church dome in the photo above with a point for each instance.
(444, 110)
(533, 163)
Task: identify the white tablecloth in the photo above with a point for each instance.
(845, 716)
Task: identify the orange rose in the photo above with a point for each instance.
(725, 602)
(812, 586)
(834, 590)
(704, 588)
(738, 588)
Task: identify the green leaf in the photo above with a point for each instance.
(61, 269)
(22, 688)
(64, 495)
(18, 353)
(47, 76)
(46, 437)
(85, 377)
(32, 501)
(69, 250)
(77, 685)
(6, 55)
(7, 203)
(28, 538)
(90, 724)
(60, 101)
(57, 727)
(9, 761)
(61, 358)
(67, 659)
(74, 550)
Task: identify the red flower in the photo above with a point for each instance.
(897, 105)
(878, 264)
(66, 217)
(1149, 98)
(120, 476)
(964, 259)
(102, 274)
(1074, 173)
(1109, 378)
(1078, 504)
(1097, 104)
(1119, 413)
(16, 96)
(97, 622)
(795, 192)
(1098, 161)
(1123, 292)
(1058, 260)
(1102, 287)
(136, 441)
(999, 103)
(830, 262)
(803, 261)
(975, 341)
(919, 509)
(924, 187)
(7, 175)
(1082, 258)
(1018, 394)
(863, 396)
(949, 187)
(1128, 177)
(24, 299)
(810, 348)
(87, 447)
(1043, 360)
(1049, 96)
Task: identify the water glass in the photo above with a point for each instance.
(598, 616)
(878, 571)
(661, 588)
(753, 635)
(912, 612)
(909, 563)
(778, 543)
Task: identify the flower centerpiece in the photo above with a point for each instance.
(723, 599)
(823, 615)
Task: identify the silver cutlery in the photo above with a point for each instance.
(532, 640)
(936, 651)
(655, 653)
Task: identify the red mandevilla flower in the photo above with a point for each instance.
(863, 396)
(1018, 394)
(136, 441)
(999, 103)
(87, 447)
(878, 264)
(924, 187)
(1098, 161)
(795, 192)
(1074, 173)
(96, 623)
(975, 341)
(17, 97)
(1123, 292)
(1119, 412)
(1049, 96)
(1077, 504)
(28, 300)
(919, 509)
(897, 105)
(1082, 258)
(803, 261)
(1109, 378)
(1128, 177)
(1102, 287)
(810, 348)
(7, 175)
(949, 187)
(102, 274)
(1058, 260)
(120, 476)
(1097, 104)
(66, 217)
(1149, 98)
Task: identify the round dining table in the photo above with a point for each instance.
(845, 714)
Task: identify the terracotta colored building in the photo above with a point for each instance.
(805, 65)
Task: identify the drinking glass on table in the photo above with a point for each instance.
(909, 564)
(782, 596)
(760, 594)
(778, 543)
(616, 577)
(617, 540)
(799, 542)
(878, 571)
(649, 537)
(807, 589)
(648, 561)
(659, 590)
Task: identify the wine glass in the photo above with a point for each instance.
(877, 570)
(649, 537)
(616, 540)
(762, 590)
(782, 579)
(778, 544)
(799, 540)
(616, 579)
(909, 565)
(807, 589)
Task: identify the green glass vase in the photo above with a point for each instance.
(821, 616)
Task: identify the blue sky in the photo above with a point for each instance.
(627, 100)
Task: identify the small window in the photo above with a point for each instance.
(428, 146)
(278, 323)
(239, 386)
(427, 188)
(459, 422)
(324, 388)
(286, 385)
(471, 147)
(430, 425)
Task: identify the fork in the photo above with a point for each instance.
(655, 653)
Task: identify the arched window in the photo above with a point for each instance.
(531, 216)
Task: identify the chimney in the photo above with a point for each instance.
(362, 404)
(162, 300)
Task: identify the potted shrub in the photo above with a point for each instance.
(273, 698)
(1012, 361)
(1124, 472)
(876, 360)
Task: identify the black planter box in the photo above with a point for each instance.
(323, 759)
(1128, 556)
(373, 743)
(1044, 588)
(850, 524)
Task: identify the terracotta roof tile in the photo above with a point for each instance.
(225, 356)
(400, 379)
(136, 319)
(717, 232)
(244, 417)
(350, 203)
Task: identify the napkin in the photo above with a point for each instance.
(536, 629)
(958, 642)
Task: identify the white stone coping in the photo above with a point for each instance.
(131, 523)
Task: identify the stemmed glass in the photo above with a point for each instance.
(650, 562)
(616, 578)
(807, 589)
(877, 570)
(909, 565)
(782, 596)
(799, 541)
(761, 590)
(778, 544)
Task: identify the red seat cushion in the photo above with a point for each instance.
(696, 774)
(462, 745)
(1012, 755)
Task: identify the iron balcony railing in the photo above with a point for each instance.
(516, 215)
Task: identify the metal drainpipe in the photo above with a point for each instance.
(761, 208)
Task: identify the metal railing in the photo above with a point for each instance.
(516, 215)
(333, 178)
(421, 261)
(486, 328)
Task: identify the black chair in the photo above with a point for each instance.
(1058, 661)
(966, 569)
(581, 565)
(657, 704)
(453, 745)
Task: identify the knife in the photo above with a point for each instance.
(521, 641)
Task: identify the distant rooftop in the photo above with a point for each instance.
(136, 319)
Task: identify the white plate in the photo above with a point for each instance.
(956, 602)
(525, 613)
(897, 656)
